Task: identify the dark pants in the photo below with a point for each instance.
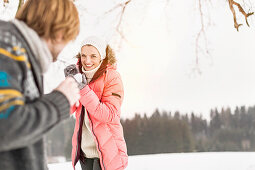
(89, 163)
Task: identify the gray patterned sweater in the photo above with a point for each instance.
(26, 114)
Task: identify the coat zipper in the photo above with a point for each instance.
(77, 147)
(96, 139)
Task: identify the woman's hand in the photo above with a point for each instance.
(72, 71)
(81, 80)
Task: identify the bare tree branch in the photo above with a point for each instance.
(120, 20)
(118, 29)
(246, 15)
(21, 2)
(202, 29)
(201, 41)
(123, 5)
(201, 34)
(6, 2)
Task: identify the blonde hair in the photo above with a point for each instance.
(51, 18)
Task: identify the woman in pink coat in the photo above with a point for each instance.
(98, 141)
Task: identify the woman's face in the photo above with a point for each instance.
(90, 57)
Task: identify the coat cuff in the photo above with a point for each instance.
(61, 103)
(85, 90)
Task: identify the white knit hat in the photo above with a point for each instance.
(98, 43)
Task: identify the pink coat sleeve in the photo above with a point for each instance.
(73, 109)
(108, 109)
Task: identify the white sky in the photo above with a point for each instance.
(156, 63)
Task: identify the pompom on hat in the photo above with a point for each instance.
(98, 43)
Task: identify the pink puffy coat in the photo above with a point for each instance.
(102, 99)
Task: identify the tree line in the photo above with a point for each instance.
(167, 132)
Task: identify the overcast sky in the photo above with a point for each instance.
(156, 63)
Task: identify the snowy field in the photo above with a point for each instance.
(184, 161)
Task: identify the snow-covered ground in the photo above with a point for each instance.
(184, 161)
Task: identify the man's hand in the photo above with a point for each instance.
(69, 87)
